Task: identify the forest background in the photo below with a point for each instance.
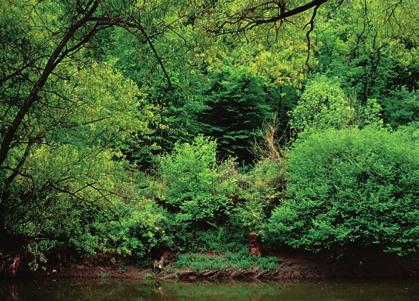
(131, 127)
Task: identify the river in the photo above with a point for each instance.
(113, 290)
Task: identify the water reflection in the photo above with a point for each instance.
(93, 290)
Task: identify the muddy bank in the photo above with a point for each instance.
(291, 266)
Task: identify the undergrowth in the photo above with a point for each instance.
(226, 261)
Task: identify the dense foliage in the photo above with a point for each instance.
(349, 189)
(132, 127)
(238, 103)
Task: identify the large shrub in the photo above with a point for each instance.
(350, 189)
(198, 193)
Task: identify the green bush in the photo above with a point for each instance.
(350, 189)
(195, 189)
(194, 185)
(134, 230)
(322, 105)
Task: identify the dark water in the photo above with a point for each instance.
(94, 290)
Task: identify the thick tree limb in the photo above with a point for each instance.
(245, 20)
(289, 13)
(33, 95)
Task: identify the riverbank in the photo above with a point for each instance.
(288, 266)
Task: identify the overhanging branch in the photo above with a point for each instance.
(245, 21)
